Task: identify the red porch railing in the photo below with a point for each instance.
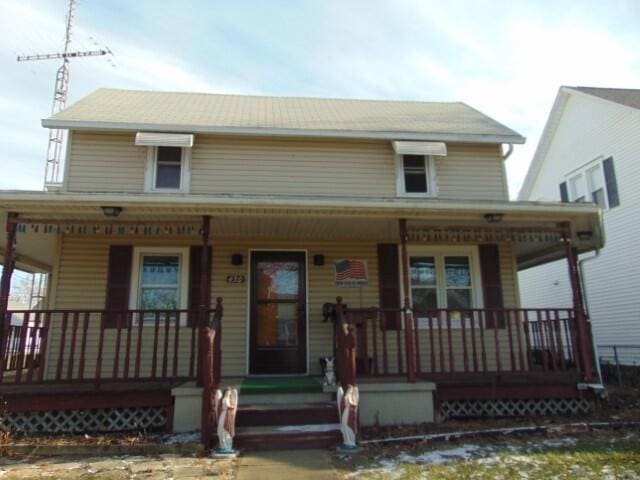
(97, 346)
(447, 343)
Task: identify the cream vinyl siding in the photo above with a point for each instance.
(283, 166)
(105, 163)
(471, 172)
(292, 167)
(80, 283)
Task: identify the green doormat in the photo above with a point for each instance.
(280, 385)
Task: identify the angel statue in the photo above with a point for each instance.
(348, 411)
(225, 410)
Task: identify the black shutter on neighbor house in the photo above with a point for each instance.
(118, 285)
(611, 182)
(564, 194)
(195, 277)
(491, 284)
(389, 283)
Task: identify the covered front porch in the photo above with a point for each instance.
(401, 322)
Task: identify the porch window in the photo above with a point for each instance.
(444, 278)
(160, 282)
(160, 279)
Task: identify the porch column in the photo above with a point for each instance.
(578, 305)
(406, 303)
(205, 304)
(7, 271)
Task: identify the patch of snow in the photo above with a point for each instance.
(178, 438)
(559, 442)
(437, 457)
(322, 427)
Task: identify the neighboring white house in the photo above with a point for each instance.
(590, 151)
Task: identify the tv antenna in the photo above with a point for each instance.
(60, 93)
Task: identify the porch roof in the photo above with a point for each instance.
(299, 217)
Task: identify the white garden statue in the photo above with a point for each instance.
(348, 411)
(226, 406)
(329, 371)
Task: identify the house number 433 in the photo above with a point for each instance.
(235, 278)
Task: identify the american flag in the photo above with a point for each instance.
(351, 270)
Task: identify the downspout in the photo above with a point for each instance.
(505, 156)
(585, 300)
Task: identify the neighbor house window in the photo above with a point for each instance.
(159, 279)
(444, 278)
(593, 182)
(415, 175)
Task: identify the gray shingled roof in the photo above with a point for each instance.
(200, 112)
(624, 96)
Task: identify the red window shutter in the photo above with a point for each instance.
(118, 285)
(491, 283)
(389, 283)
(195, 277)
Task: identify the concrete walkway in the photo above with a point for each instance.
(286, 464)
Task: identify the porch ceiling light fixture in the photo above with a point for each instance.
(585, 235)
(493, 217)
(110, 211)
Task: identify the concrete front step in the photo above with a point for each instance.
(288, 437)
(284, 398)
(286, 414)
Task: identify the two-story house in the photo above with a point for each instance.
(200, 240)
(588, 153)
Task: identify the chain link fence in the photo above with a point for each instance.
(620, 364)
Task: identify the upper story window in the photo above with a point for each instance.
(594, 182)
(168, 161)
(169, 168)
(415, 167)
(416, 174)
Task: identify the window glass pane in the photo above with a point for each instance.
(415, 174)
(595, 178)
(278, 280)
(578, 190)
(459, 298)
(277, 325)
(424, 299)
(160, 270)
(598, 198)
(170, 154)
(423, 271)
(458, 273)
(168, 175)
(158, 298)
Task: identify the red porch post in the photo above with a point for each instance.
(406, 303)
(582, 327)
(205, 292)
(7, 271)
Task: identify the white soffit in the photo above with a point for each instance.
(420, 148)
(156, 139)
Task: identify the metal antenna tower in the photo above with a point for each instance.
(56, 136)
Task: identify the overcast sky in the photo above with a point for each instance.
(506, 59)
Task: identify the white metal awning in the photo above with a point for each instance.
(420, 148)
(159, 139)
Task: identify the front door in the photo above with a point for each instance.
(278, 313)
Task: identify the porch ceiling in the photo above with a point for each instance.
(285, 217)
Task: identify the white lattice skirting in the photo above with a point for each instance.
(514, 408)
(80, 421)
